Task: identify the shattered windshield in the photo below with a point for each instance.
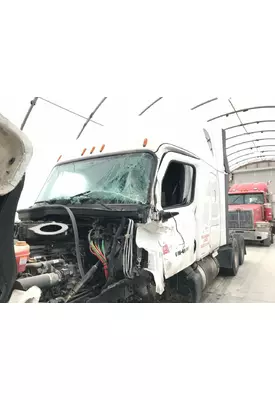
(119, 179)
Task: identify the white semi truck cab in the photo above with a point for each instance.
(138, 213)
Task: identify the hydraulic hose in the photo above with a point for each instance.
(113, 250)
(49, 265)
(44, 281)
(76, 236)
(90, 274)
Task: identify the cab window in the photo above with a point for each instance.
(178, 185)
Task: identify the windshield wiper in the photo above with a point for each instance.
(51, 201)
(86, 194)
(80, 194)
(65, 199)
(94, 200)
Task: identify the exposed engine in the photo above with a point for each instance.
(91, 260)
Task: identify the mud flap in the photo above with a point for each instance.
(228, 257)
(188, 284)
(224, 257)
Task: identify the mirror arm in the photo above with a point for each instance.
(166, 215)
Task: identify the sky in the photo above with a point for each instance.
(75, 53)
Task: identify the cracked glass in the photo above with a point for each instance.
(119, 179)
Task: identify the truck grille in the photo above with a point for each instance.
(241, 219)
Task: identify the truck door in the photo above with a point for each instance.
(175, 190)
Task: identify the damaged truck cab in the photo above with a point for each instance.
(143, 220)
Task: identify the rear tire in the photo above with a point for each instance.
(235, 263)
(241, 250)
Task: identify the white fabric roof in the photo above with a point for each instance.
(249, 123)
(59, 129)
(250, 132)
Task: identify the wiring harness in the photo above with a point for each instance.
(97, 248)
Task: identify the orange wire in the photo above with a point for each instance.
(96, 248)
(98, 256)
(97, 252)
(100, 252)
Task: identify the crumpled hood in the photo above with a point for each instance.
(256, 208)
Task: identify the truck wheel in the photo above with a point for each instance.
(241, 250)
(235, 255)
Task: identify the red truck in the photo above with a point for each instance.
(250, 212)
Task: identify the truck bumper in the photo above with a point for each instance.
(254, 236)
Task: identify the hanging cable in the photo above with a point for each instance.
(89, 275)
(68, 110)
(239, 118)
(76, 235)
(91, 116)
(128, 251)
(150, 106)
(34, 102)
(111, 256)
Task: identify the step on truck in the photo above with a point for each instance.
(251, 212)
(137, 213)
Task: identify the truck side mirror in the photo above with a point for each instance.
(166, 215)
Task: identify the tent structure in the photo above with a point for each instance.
(250, 129)
(249, 122)
(249, 125)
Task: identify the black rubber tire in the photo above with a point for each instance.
(234, 258)
(241, 250)
(272, 238)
